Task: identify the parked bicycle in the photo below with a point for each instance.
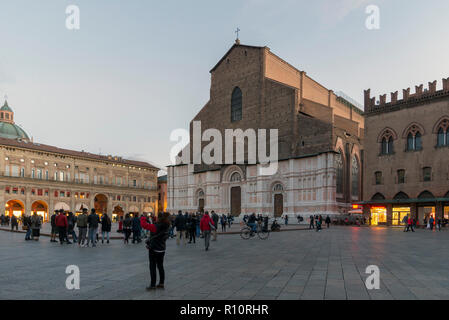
(247, 232)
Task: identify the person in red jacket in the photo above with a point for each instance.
(206, 225)
(61, 224)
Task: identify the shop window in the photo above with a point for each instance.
(401, 176)
(62, 194)
(427, 174)
(15, 190)
(39, 192)
(46, 192)
(33, 192)
(56, 194)
(22, 191)
(6, 190)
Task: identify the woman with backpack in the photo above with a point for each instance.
(156, 247)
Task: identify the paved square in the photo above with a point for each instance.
(290, 265)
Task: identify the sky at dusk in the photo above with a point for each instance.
(136, 70)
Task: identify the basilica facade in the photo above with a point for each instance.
(319, 142)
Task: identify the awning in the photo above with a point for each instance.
(62, 205)
(402, 201)
(80, 206)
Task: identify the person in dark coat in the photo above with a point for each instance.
(180, 224)
(192, 228)
(311, 225)
(93, 220)
(71, 220)
(105, 227)
(159, 234)
(27, 225)
(127, 226)
(136, 228)
(328, 221)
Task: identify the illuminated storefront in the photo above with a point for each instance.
(398, 215)
(425, 213)
(378, 216)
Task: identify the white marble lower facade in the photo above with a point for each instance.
(302, 186)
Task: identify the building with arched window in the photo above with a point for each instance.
(40, 178)
(410, 174)
(319, 142)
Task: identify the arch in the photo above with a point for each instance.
(339, 168)
(236, 105)
(277, 187)
(413, 128)
(41, 208)
(14, 207)
(229, 171)
(443, 123)
(101, 203)
(387, 133)
(355, 176)
(426, 195)
(378, 196)
(401, 196)
(235, 177)
(62, 205)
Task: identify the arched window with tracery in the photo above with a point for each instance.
(386, 142)
(339, 172)
(235, 177)
(414, 138)
(443, 133)
(278, 187)
(236, 105)
(354, 177)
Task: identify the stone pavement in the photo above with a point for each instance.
(289, 265)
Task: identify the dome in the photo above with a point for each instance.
(12, 131)
(6, 107)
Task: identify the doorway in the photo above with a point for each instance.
(236, 201)
(278, 205)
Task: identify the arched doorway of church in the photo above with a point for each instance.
(236, 201)
(41, 208)
(101, 204)
(201, 205)
(278, 205)
(14, 208)
(278, 200)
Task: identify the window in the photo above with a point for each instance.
(236, 105)
(61, 176)
(339, 172)
(134, 183)
(378, 177)
(14, 171)
(427, 174)
(33, 173)
(22, 172)
(7, 170)
(46, 174)
(414, 139)
(401, 176)
(441, 138)
(355, 177)
(39, 173)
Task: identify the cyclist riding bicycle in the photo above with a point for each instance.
(252, 222)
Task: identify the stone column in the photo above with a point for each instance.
(389, 214)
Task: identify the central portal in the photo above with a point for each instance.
(236, 201)
(278, 205)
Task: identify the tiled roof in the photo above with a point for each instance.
(81, 154)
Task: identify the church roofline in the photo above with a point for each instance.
(235, 45)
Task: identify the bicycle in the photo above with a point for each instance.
(261, 232)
